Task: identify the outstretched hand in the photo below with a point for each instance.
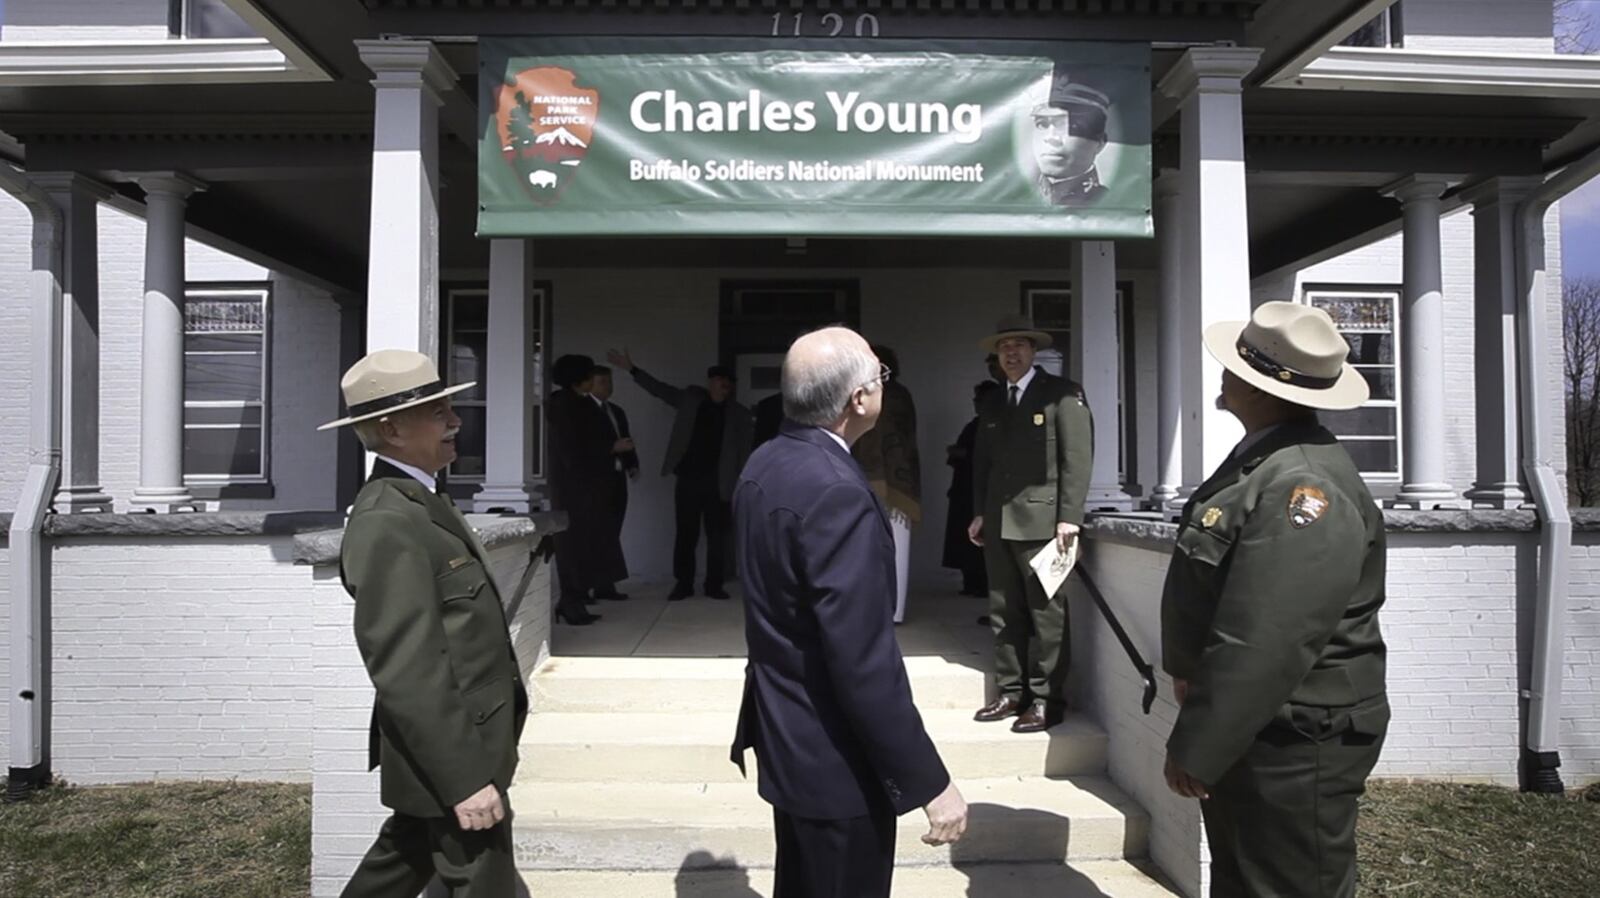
(620, 359)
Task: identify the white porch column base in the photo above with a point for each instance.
(161, 485)
(1495, 351)
(403, 265)
(1169, 337)
(1095, 363)
(508, 445)
(1423, 481)
(1215, 239)
(79, 198)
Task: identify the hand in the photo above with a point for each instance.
(1180, 690)
(622, 446)
(633, 473)
(975, 531)
(947, 817)
(620, 359)
(1183, 784)
(1066, 534)
(482, 811)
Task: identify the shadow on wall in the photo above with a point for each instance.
(703, 875)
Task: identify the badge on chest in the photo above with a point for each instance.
(1038, 420)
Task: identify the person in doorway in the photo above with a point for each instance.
(450, 702)
(769, 418)
(581, 458)
(624, 467)
(1069, 131)
(841, 749)
(1030, 477)
(710, 441)
(888, 456)
(959, 552)
(1269, 618)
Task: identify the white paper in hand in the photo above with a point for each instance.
(1052, 566)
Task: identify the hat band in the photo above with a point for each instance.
(401, 398)
(1258, 360)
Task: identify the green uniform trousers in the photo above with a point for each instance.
(1032, 648)
(410, 851)
(1282, 821)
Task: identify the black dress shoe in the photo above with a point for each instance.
(679, 593)
(575, 619)
(999, 709)
(1034, 720)
(717, 592)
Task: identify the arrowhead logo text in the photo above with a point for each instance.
(546, 123)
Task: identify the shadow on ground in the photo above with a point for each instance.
(703, 875)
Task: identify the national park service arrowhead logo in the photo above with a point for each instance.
(1306, 505)
(546, 124)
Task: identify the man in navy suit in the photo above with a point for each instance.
(827, 705)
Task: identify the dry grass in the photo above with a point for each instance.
(163, 840)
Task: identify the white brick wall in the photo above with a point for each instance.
(84, 20)
(346, 812)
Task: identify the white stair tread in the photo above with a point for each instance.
(701, 727)
(643, 668)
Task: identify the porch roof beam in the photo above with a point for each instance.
(210, 61)
(1295, 33)
(1568, 76)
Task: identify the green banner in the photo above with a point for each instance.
(813, 138)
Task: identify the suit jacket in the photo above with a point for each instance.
(827, 703)
(1272, 596)
(617, 420)
(429, 624)
(1031, 463)
(737, 431)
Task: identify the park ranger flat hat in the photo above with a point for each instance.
(1293, 352)
(1015, 326)
(388, 381)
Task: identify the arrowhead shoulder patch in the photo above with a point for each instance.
(1306, 505)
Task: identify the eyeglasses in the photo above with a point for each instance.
(884, 373)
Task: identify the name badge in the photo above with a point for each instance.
(1038, 420)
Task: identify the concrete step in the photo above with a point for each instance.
(574, 684)
(668, 826)
(1092, 879)
(692, 747)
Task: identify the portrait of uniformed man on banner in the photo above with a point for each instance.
(1069, 131)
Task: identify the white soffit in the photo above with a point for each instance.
(1442, 72)
(229, 60)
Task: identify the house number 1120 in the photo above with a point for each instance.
(866, 25)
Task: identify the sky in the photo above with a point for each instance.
(1580, 210)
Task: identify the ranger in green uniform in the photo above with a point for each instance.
(450, 702)
(1269, 619)
(1030, 476)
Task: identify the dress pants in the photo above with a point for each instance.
(1282, 821)
(1032, 647)
(410, 851)
(851, 858)
(699, 502)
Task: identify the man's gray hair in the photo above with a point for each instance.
(815, 393)
(370, 433)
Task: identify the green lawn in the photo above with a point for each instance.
(243, 840)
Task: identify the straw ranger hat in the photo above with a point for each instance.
(1292, 351)
(1014, 326)
(389, 381)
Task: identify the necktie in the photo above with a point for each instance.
(1016, 395)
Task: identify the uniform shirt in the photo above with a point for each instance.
(423, 478)
(1021, 385)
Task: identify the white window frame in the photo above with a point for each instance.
(262, 290)
(539, 338)
(1309, 295)
(1124, 449)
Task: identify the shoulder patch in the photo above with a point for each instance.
(1306, 505)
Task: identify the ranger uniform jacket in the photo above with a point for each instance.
(429, 623)
(1030, 468)
(1271, 599)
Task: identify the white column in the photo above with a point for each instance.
(79, 198)
(1169, 336)
(1214, 232)
(1494, 213)
(161, 363)
(1095, 363)
(403, 262)
(508, 444)
(1423, 482)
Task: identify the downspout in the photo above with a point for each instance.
(29, 766)
(1541, 755)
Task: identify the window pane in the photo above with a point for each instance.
(1381, 380)
(1052, 310)
(1374, 456)
(469, 311)
(219, 378)
(236, 415)
(1360, 422)
(468, 355)
(232, 452)
(469, 443)
(209, 314)
(537, 464)
(1371, 349)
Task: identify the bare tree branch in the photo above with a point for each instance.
(1580, 319)
(1574, 29)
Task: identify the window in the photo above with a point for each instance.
(467, 357)
(205, 19)
(1049, 306)
(1382, 31)
(225, 377)
(1367, 318)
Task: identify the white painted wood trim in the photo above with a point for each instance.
(231, 60)
(1445, 72)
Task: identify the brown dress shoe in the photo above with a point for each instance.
(1033, 720)
(999, 709)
